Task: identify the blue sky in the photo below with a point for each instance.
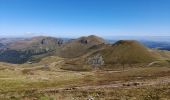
(74, 18)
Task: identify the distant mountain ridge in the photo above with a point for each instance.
(20, 51)
(31, 49)
(162, 45)
(78, 47)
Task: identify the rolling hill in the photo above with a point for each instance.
(122, 53)
(78, 47)
(126, 52)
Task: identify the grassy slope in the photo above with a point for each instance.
(159, 92)
(78, 47)
(16, 84)
(18, 80)
(127, 52)
(19, 85)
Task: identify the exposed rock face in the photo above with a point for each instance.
(36, 43)
(96, 60)
(83, 41)
(91, 40)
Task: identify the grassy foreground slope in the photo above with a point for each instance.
(46, 80)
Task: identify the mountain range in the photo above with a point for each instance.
(22, 50)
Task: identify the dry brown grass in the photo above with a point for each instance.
(23, 82)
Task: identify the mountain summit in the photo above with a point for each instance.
(80, 46)
(126, 52)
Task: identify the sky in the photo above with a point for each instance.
(74, 18)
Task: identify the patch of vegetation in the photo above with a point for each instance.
(77, 67)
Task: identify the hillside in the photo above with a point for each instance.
(40, 42)
(36, 48)
(20, 51)
(126, 52)
(123, 53)
(78, 47)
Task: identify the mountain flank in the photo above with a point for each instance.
(22, 50)
(126, 52)
(78, 47)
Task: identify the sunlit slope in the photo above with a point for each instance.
(78, 47)
(127, 52)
